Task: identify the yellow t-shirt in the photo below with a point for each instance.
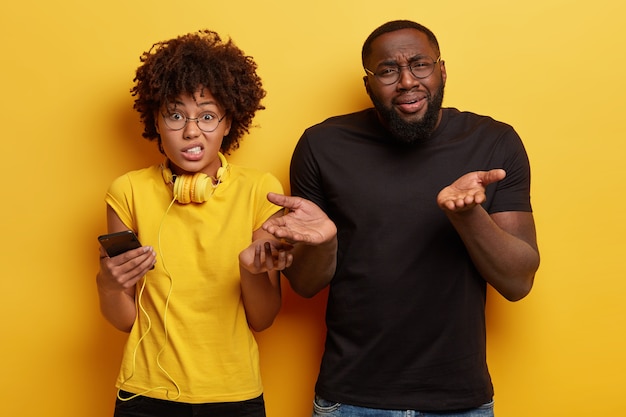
(191, 341)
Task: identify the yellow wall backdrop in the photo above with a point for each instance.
(554, 69)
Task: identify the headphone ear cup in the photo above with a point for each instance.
(200, 186)
(181, 189)
(196, 188)
(192, 188)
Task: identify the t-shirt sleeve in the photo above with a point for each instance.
(118, 197)
(266, 209)
(513, 192)
(304, 173)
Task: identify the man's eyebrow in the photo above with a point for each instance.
(418, 57)
(387, 62)
(393, 61)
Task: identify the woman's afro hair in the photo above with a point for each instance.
(183, 65)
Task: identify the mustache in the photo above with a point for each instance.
(399, 99)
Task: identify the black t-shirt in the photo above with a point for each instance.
(405, 315)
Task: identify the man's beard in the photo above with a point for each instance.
(408, 133)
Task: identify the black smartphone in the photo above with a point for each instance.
(119, 242)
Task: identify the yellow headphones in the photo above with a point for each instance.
(196, 188)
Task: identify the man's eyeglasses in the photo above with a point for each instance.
(207, 121)
(421, 67)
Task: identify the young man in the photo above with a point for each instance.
(421, 207)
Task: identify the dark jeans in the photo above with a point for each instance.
(151, 407)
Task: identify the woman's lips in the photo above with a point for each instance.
(193, 153)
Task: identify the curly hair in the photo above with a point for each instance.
(184, 64)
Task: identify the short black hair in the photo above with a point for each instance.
(393, 26)
(182, 65)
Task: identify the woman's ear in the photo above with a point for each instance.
(161, 150)
(227, 126)
(156, 122)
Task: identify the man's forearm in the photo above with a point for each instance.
(313, 267)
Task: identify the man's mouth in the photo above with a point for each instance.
(411, 105)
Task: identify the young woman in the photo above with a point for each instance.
(207, 273)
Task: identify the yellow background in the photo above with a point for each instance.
(554, 69)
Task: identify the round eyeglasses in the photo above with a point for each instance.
(207, 121)
(420, 67)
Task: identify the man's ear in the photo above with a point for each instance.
(444, 75)
(366, 84)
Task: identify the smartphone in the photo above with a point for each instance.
(120, 242)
